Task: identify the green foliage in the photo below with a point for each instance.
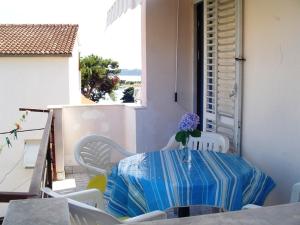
(183, 136)
(98, 76)
(195, 133)
(128, 95)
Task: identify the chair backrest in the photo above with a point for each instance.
(209, 141)
(97, 151)
(295, 195)
(172, 144)
(83, 214)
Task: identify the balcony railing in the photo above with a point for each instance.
(45, 169)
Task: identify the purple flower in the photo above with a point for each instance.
(189, 122)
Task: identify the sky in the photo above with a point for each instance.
(121, 41)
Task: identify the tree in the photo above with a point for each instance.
(98, 76)
(128, 95)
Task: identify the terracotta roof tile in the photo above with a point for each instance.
(37, 39)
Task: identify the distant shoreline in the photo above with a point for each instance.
(130, 77)
(130, 72)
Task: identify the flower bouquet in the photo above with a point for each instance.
(188, 127)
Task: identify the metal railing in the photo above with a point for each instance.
(45, 170)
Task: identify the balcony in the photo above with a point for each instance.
(269, 110)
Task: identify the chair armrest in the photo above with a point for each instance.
(295, 195)
(90, 195)
(155, 215)
(50, 193)
(94, 170)
(127, 153)
(226, 147)
(251, 206)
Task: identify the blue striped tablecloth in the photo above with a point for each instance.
(162, 179)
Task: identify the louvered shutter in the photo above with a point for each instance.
(222, 69)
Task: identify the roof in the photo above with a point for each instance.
(37, 39)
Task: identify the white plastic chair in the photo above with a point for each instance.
(208, 141)
(295, 197)
(83, 214)
(172, 144)
(90, 196)
(98, 153)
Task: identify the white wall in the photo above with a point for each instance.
(186, 84)
(74, 76)
(271, 111)
(130, 124)
(159, 119)
(32, 82)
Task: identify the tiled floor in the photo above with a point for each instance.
(78, 174)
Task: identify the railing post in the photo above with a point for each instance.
(43, 167)
(49, 166)
(52, 142)
(59, 143)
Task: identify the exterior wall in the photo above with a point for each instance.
(30, 82)
(158, 120)
(130, 129)
(271, 122)
(186, 84)
(74, 76)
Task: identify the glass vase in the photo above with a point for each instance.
(186, 154)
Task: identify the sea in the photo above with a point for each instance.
(133, 78)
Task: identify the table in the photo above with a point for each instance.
(194, 210)
(47, 211)
(274, 215)
(162, 179)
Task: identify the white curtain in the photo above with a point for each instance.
(120, 7)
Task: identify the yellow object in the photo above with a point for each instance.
(98, 182)
(123, 218)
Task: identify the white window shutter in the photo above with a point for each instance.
(222, 68)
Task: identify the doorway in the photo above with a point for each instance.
(199, 67)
